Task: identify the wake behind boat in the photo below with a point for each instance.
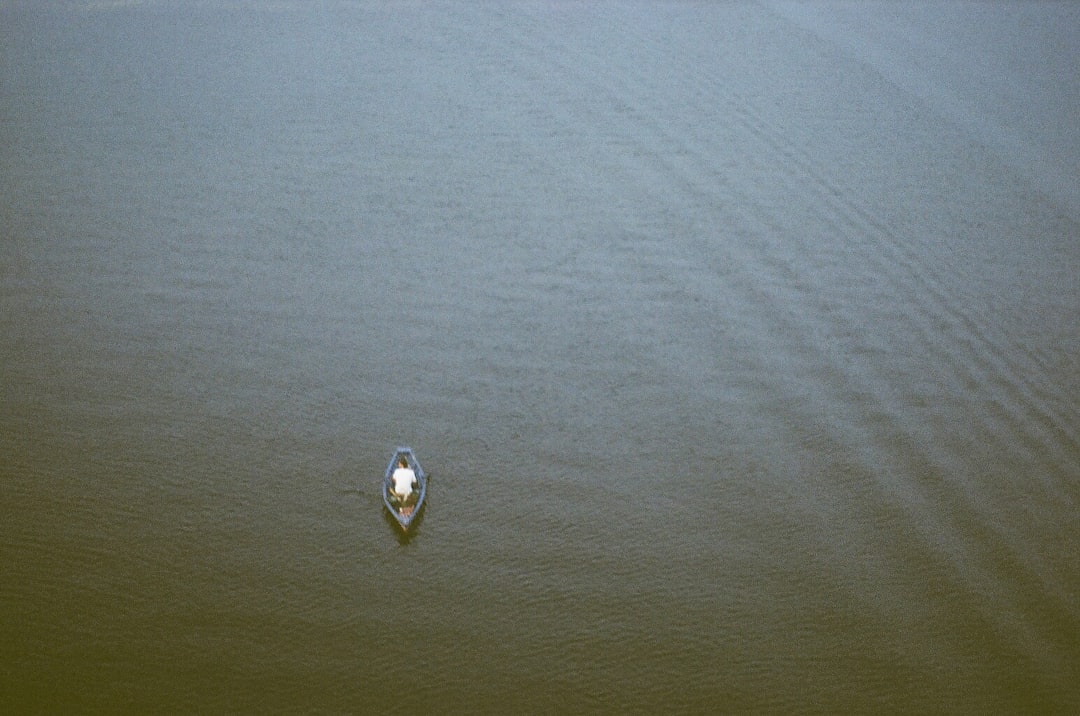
(404, 487)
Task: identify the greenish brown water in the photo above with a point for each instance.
(746, 370)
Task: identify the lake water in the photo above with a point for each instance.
(742, 342)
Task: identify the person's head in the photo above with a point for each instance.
(402, 462)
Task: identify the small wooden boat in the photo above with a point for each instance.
(404, 510)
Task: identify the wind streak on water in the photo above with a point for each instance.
(887, 335)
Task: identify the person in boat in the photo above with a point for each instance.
(404, 481)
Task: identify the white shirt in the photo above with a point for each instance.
(404, 478)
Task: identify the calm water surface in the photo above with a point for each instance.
(746, 373)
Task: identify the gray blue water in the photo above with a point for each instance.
(741, 341)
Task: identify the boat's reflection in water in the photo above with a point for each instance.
(406, 536)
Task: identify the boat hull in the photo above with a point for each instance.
(404, 514)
